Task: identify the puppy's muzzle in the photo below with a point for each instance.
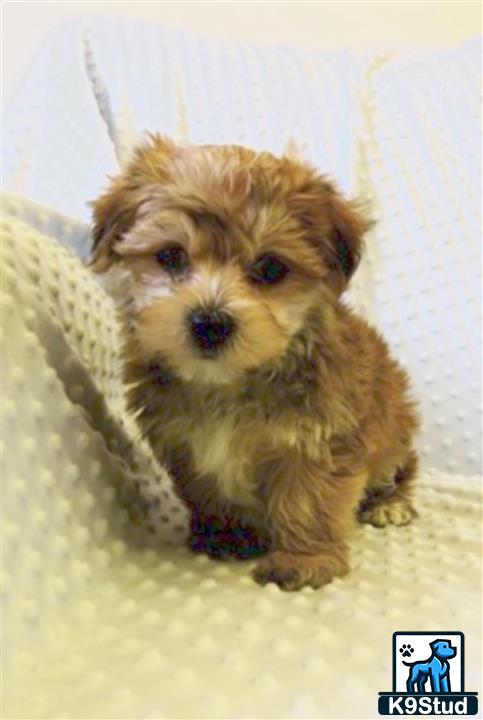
(210, 329)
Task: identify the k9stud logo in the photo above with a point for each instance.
(428, 676)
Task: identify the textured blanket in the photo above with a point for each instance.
(107, 615)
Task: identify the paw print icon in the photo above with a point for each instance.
(406, 650)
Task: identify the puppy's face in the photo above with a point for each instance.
(218, 254)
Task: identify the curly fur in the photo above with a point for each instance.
(304, 416)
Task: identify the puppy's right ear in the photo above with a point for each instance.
(114, 214)
(115, 211)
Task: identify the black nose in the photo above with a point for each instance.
(210, 329)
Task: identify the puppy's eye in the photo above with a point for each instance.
(268, 270)
(174, 259)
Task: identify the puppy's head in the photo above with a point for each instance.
(218, 254)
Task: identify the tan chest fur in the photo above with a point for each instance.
(225, 451)
(230, 450)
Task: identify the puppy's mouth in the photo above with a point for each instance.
(210, 330)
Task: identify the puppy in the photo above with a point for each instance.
(279, 413)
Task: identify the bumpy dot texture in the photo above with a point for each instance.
(96, 87)
(56, 146)
(102, 624)
(421, 279)
(210, 90)
(65, 408)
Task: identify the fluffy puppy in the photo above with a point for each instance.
(278, 411)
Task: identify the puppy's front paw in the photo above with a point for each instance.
(292, 571)
(389, 512)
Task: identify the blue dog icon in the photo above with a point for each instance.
(436, 669)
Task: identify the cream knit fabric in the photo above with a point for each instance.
(103, 619)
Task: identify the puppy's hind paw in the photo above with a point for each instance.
(388, 512)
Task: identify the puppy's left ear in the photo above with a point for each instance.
(343, 243)
(334, 224)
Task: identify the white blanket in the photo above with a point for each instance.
(107, 621)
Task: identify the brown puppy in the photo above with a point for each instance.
(278, 411)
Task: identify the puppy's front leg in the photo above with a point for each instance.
(310, 512)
